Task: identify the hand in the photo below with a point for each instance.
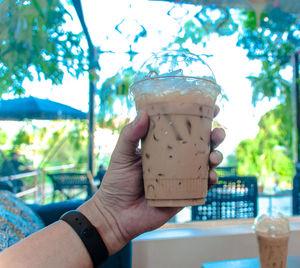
(121, 200)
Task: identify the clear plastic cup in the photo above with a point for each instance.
(178, 91)
(272, 233)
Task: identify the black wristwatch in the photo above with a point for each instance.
(88, 235)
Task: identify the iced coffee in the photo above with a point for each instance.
(176, 149)
(272, 237)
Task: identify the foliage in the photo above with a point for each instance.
(269, 83)
(33, 41)
(115, 88)
(3, 137)
(274, 41)
(21, 138)
(207, 21)
(55, 145)
(269, 154)
(65, 145)
(248, 159)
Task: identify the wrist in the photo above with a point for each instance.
(88, 234)
(105, 224)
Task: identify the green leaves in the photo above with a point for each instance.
(33, 42)
(21, 138)
(3, 137)
(113, 89)
(269, 154)
(274, 41)
(269, 83)
(248, 159)
(207, 21)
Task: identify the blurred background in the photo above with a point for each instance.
(84, 55)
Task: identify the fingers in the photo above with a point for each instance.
(217, 136)
(213, 178)
(131, 134)
(215, 158)
(216, 111)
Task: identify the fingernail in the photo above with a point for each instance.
(219, 154)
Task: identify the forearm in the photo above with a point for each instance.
(58, 245)
(55, 246)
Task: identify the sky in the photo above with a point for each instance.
(229, 63)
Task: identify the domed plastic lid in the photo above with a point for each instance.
(175, 71)
(272, 226)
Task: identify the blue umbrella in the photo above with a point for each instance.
(34, 108)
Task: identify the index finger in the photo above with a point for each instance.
(217, 136)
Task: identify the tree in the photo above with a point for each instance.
(273, 42)
(22, 56)
(3, 137)
(66, 145)
(54, 145)
(115, 88)
(203, 24)
(269, 154)
(33, 43)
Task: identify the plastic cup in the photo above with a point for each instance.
(178, 91)
(272, 235)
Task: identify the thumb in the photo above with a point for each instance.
(131, 134)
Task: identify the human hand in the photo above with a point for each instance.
(121, 200)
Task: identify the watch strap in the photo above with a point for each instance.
(88, 235)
